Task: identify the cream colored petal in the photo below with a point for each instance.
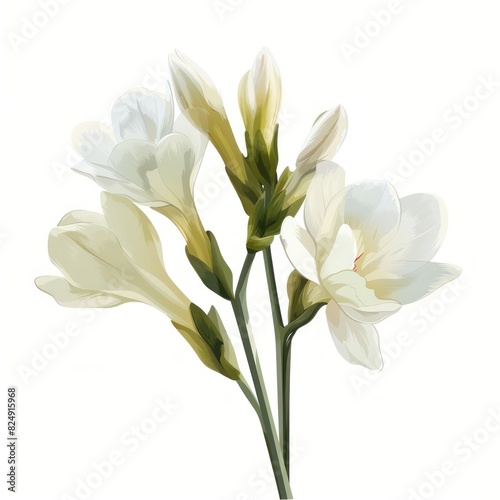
(417, 284)
(142, 114)
(328, 181)
(299, 248)
(198, 139)
(342, 255)
(136, 161)
(90, 257)
(246, 101)
(372, 211)
(259, 96)
(419, 237)
(82, 216)
(193, 86)
(69, 296)
(356, 342)
(176, 160)
(359, 302)
(134, 231)
(326, 137)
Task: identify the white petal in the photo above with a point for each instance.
(135, 233)
(94, 171)
(359, 302)
(69, 296)
(198, 140)
(372, 211)
(136, 162)
(176, 159)
(342, 255)
(326, 137)
(419, 236)
(327, 182)
(300, 248)
(142, 114)
(260, 96)
(246, 101)
(94, 142)
(193, 86)
(90, 257)
(358, 343)
(417, 284)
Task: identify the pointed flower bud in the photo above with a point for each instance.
(259, 97)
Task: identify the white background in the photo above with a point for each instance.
(356, 437)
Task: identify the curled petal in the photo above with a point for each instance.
(370, 208)
(67, 295)
(357, 343)
(419, 236)
(142, 114)
(299, 248)
(327, 182)
(359, 302)
(326, 137)
(417, 284)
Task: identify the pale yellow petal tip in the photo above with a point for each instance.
(40, 281)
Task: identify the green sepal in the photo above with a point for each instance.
(265, 222)
(228, 360)
(211, 330)
(305, 297)
(219, 278)
(261, 161)
(295, 287)
(248, 195)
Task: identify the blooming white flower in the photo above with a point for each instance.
(369, 252)
(325, 138)
(259, 96)
(149, 158)
(111, 259)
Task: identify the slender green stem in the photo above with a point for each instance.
(286, 355)
(249, 394)
(282, 365)
(268, 427)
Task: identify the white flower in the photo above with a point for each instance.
(111, 259)
(327, 135)
(150, 159)
(259, 96)
(147, 157)
(369, 252)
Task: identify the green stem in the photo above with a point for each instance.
(282, 360)
(268, 427)
(249, 394)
